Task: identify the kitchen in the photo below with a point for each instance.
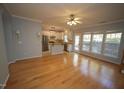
(56, 40)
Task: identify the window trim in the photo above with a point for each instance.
(119, 44)
(103, 42)
(83, 41)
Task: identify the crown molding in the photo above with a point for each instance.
(107, 23)
(6, 9)
(26, 18)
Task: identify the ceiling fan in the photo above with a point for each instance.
(72, 20)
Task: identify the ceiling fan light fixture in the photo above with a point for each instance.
(72, 20)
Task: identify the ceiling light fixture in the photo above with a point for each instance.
(72, 20)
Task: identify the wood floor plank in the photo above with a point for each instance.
(68, 70)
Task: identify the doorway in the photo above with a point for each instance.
(77, 43)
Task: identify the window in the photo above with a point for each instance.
(112, 44)
(65, 38)
(86, 42)
(77, 41)
(97, 43)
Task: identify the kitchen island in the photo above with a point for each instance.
(56, 48)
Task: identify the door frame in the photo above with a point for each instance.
(79, 43)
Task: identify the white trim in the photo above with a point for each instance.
(11, 62)
(100, 24)
(14, 61)
(23, 59)
(103, 59)
(102, 56)
(26, 18)
(27, 58)
(5, 82)
(6, 8)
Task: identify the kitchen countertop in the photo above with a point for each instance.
(61, 43)
(56, 43)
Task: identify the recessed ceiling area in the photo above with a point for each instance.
(57, 14)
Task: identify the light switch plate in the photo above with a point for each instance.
(122, 71)
(19, 42)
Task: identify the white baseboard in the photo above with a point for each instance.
(27, 58)
(11, 62)
(5, 82)
(14, 61)
(99, 58)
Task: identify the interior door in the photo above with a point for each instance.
(77, 43)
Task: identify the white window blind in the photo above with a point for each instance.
(86, 42)
(97, 43)
(112, 44)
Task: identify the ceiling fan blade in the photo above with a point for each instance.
(73, 21)
(79, 22)
(77, 19)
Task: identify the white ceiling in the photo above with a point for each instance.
(56, 14)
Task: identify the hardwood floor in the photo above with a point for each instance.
(68, 70)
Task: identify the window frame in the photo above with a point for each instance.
(79, 42)
(119, 49)
(89, 42)
(66, 38)
(103, 42)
